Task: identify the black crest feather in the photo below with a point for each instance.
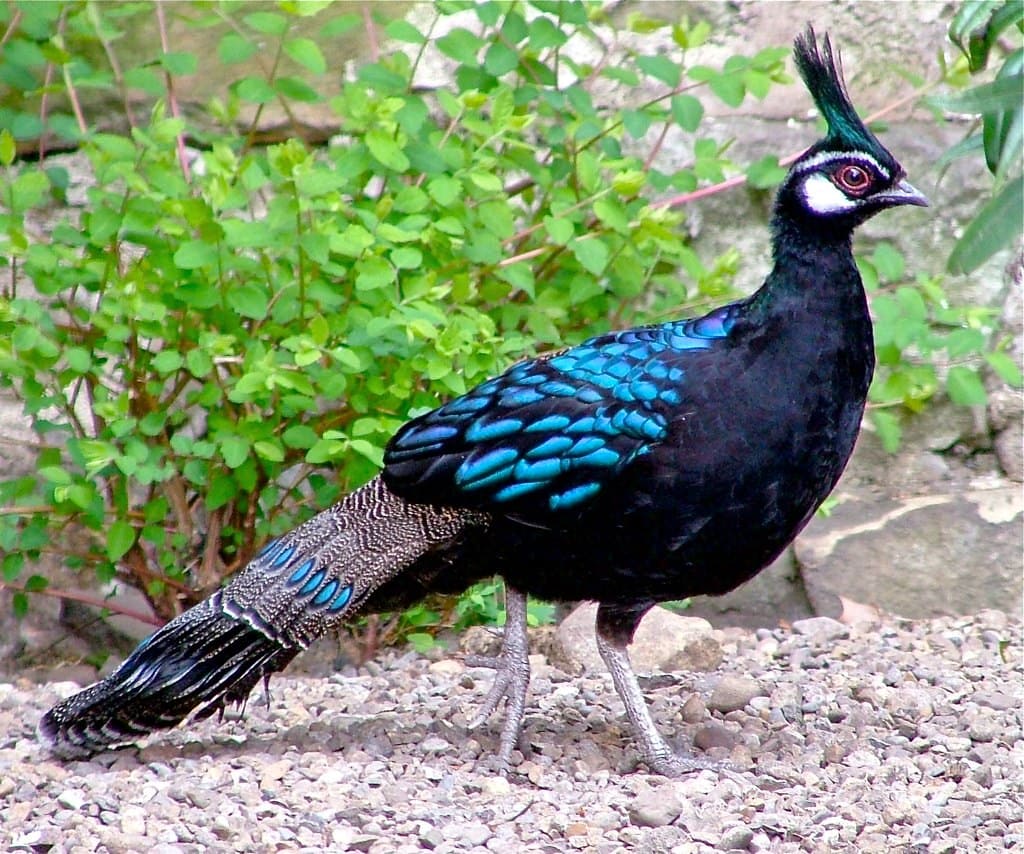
(821, 72)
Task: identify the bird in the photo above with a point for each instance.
(650, 464)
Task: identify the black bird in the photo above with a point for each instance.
(651, 464)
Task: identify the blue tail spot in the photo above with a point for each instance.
(552, 447)
(282, 557)
(550, 424)
(267, 549)
(313, 583)
(491, 479)
(574, 496)
(539, 471)
(483, 431)
(586, 445)
(300, 574)
(516, 490)
(602, 457)
(324, 596)
(485, 464)
(341, 600)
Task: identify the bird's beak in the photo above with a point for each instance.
(904, 193)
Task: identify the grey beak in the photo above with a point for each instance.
(904, 193)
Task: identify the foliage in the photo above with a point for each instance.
(223, 337)
(976, 30)
(924, 344)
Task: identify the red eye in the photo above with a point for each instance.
(853, 179)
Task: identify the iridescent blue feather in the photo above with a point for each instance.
(550, 432)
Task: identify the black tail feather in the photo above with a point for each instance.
(203, 660)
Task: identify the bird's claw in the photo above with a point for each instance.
(512, 678)
(680, 764)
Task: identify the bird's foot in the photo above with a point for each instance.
(512, 677)
(680, 764)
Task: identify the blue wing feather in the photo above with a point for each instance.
(550, 433)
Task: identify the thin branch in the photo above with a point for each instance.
(86, 599)
(739, 180)
(172, 98)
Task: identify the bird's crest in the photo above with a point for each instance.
(821, 72)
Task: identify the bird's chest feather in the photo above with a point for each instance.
(756, 448)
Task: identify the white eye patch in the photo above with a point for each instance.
(823, 197)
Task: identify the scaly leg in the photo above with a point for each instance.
(613, 635)
(511, 679)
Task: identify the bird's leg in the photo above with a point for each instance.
(613, 634)
(511, 679)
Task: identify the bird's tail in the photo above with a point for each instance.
(292, 592)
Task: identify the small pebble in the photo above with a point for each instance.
(902, 737)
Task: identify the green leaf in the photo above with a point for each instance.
(269, 451)
(235, 450)
(964, 386)
(234, 48)
(1006, 368)
(500, 59)
(559, 230)
(592, 254)
(461, 45)
(8, 149)
(120, 538)
(55, 475)
(403, 31)
(765, 173)
(195, 253)
(267, 22)
(221, 490)
(386, 150)
(306, 53)
(661, 68)
(407, 258)
(373, 273)
(998, 223)
(167, 361)
(888, 262)
(179, 63)
(687, 112)
(249, 300)
(1003, 94)
(888, 428)
(255, 90)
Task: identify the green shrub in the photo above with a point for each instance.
(223, 339)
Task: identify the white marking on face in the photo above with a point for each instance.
(824, 157)
(823, 197)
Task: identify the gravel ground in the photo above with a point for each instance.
(904, 736)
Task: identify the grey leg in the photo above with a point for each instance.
(512, 678)
(654, 750)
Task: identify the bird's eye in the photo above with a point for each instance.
(853, 179)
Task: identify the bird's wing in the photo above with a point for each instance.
(550, 433)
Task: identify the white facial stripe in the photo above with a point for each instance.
(823, 157)
(821, 196)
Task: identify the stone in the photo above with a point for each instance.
(918, 557)
(714, 735)
(664, 642)
(821, 629)
(736, 839)
(655, 807)
(732, 693)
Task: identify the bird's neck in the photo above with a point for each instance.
(813, 267)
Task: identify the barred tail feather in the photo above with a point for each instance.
(292, 592)
(203, 660)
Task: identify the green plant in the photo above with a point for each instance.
(999, 132)
(925, 344)
(222, 341)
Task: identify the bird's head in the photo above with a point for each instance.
(849, 175)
